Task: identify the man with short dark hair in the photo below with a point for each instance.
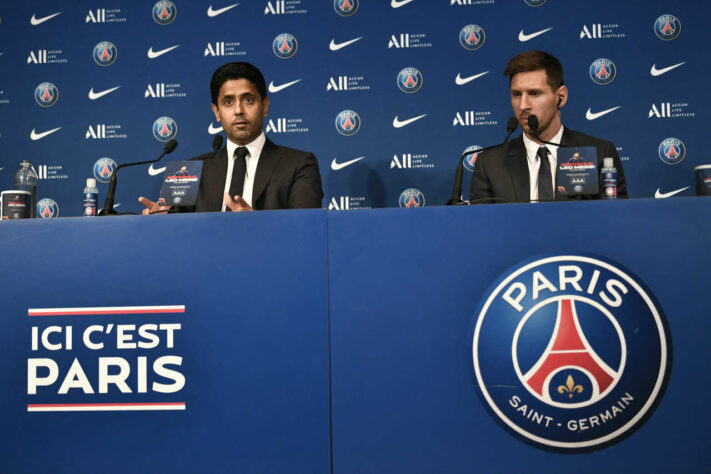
(523, 170)
(250, 172)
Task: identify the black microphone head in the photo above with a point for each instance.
(511, 125)
(170, 146)
(533, 122)
(217, 142)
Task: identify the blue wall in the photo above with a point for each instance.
(418, 34)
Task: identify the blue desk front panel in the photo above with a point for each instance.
(251, 345)
(407, 286)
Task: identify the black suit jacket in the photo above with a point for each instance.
(502, 172)
(286, 179)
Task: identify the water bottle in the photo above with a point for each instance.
(26, 180)
(609, 179)
(91, 197)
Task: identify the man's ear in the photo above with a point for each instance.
(214, 110)
(265, 103)
(562, 94)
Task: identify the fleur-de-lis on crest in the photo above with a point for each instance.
(570, 387)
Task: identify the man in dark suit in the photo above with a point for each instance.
(250, 172)
(523, 170)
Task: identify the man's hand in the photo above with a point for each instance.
(152, 207)
(237, 204)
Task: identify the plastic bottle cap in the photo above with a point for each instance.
(90, 183)
(607, 163)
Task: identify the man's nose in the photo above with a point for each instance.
(524, 103)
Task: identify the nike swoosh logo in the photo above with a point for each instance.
(38, 136)
(274, 89)
(335, 166)
(336, 46)
(154, 54)
(398, 4)
(401, 123)
(38, 21)
(465, 80)
(212, 13)
(213, 130)
(524, 37)
(154, 172)
(658, 72)
(660, 195)
(592, 116)
(95, 95)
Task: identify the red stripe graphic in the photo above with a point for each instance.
(47, 405)
(105, 310)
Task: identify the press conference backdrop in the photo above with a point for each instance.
(387, 94)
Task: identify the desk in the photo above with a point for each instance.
(322, 342)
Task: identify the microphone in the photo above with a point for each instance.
(109, 203)
(533, 125)
(217, 142)
(456, 198)
(216, 145)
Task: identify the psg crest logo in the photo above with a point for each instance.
(667, 27)
(103, 169)
(672, 151)
(47, 208)
(46, 94)
(571, 353)
(165, 129)
(285, 46)
(470, 159)
(603, 71)
(348, 123)
(472, 37)
(412, 198)
(164, 12)
(409, 80)
(535, 3)
(346, 7)
(105, 53)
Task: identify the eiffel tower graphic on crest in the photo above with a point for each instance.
(569, 348)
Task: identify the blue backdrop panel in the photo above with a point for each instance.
(406, 287)
(408, 139)
(253, 340)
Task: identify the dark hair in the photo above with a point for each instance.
(533, 61)
(240, 70)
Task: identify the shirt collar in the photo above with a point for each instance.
(254, 147)
(532, 147)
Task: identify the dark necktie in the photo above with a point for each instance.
(238, 172)
(545, 183)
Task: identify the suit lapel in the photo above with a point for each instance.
(268, 161)
(215, 171)
(518, 168)
(566, 139)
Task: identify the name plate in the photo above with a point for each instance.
(577, 173)
(180, 186)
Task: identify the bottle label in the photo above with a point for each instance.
(90, 203)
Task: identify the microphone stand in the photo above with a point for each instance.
(456, 199)
(108, 209)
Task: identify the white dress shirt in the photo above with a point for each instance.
(533, 163)
(255, 149)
